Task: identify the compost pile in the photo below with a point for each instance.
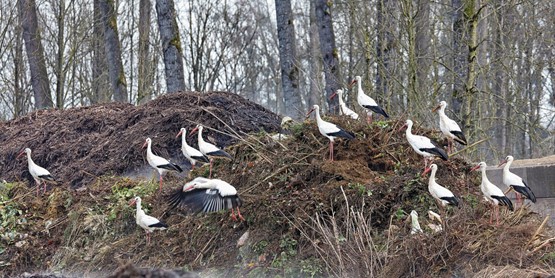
(305, 215)
(79, 144)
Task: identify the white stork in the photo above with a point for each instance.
(443, 195)
(208, 149)
(40, 175)
(492, 193)
(423, 145)
(192, 154)
(515, 182)
(207, 195)
(367, 102)
(147, 222)
(448, 127)
(159, 163)
(343, 107)
(329, 130)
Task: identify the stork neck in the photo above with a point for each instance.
(184, 138)
(200, 135)
(340, 99)
(408, 132)
(140, 211)
(149, 149)
(442, 111)
(318, 118)
(433, 176)
(30, 161)
(484, 176)
(507, 166)
(359, 87)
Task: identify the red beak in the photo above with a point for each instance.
(193, 131)
(402, 127)
(180, 132)
(20, 154)
(309, 112)
(132, 202)
(333, 95)
(426, 171)
(502, 162)
(436, 108)
(144, 145)
(475, 168)
(352, 83)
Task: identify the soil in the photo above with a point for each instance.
(305, 215)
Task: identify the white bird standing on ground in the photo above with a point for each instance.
(423, 145)
(343, 107)
(515, 182)
(329, 130)
(367, 102)
(207, 195)
(147, 222)
(159, 163)
(415, 225)
(208, 149)
(192, 154)
(443, 195)
(492, 193)
(40, 175)
(448, 127)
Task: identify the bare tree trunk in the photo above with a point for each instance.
(459, 52)
(422, 45)
(499, 89)
(329, 52)
(145, 75)
(60, 74)
(385, 46)
(287, 58)
(113, 50)
(171, 45)
(20, 103)
(100, 86)
(315, 60)
(35, 53)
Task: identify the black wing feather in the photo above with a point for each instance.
(47, 177)
(437, 151)
(503, 200)
(377, 109)
(343, 134)
(221, 153)
(526, 191)
(451, 200)
(459, 136)
(171, 166)
(201, 158)
(159, 225)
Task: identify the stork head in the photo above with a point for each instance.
(134, 201)
(198, 182)
(148, 141)
(314, 108)
(356, 80)
(432, 167)
(197, 128)
(441, 105)
(181, 131)
(408, 124)
(482, 165)
(339, 93)
(26, 150)
(507, 159)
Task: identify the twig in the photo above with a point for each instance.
(547, 241)
(538, 230)
(469, 146)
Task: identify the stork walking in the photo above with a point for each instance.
(343, 107)
(147, 222)
(329, 130)
(192, 154)
(159, 163)
(492, 193)
(422, 145)
(208, 149)
(40, 175)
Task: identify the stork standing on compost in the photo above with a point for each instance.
(448, 127)
(192, 154)
(366, 102)
(515, 182)
(423, 145)
(343, 107)
(492, 193)
(147, 222)
(329, 130)
(161, 164)
(209, 150)
(40, 175)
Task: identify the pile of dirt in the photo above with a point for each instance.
(79, 144)
(305, 216)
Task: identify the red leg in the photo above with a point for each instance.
(44, 187)
(233, 215)
(160, 183)
(38, 187)
(331, 150)
(239, 214)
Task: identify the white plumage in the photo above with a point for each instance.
(329, 130)
(343, 107)
(515, 182)
(208, 149)
(443, 195)
(423, 145)
(147, 222)
(192, 154)
(40, 175)
(159, 163)
(492, 193)
(207, 195)
(367, 102)
(448, 127)
(415, 225)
